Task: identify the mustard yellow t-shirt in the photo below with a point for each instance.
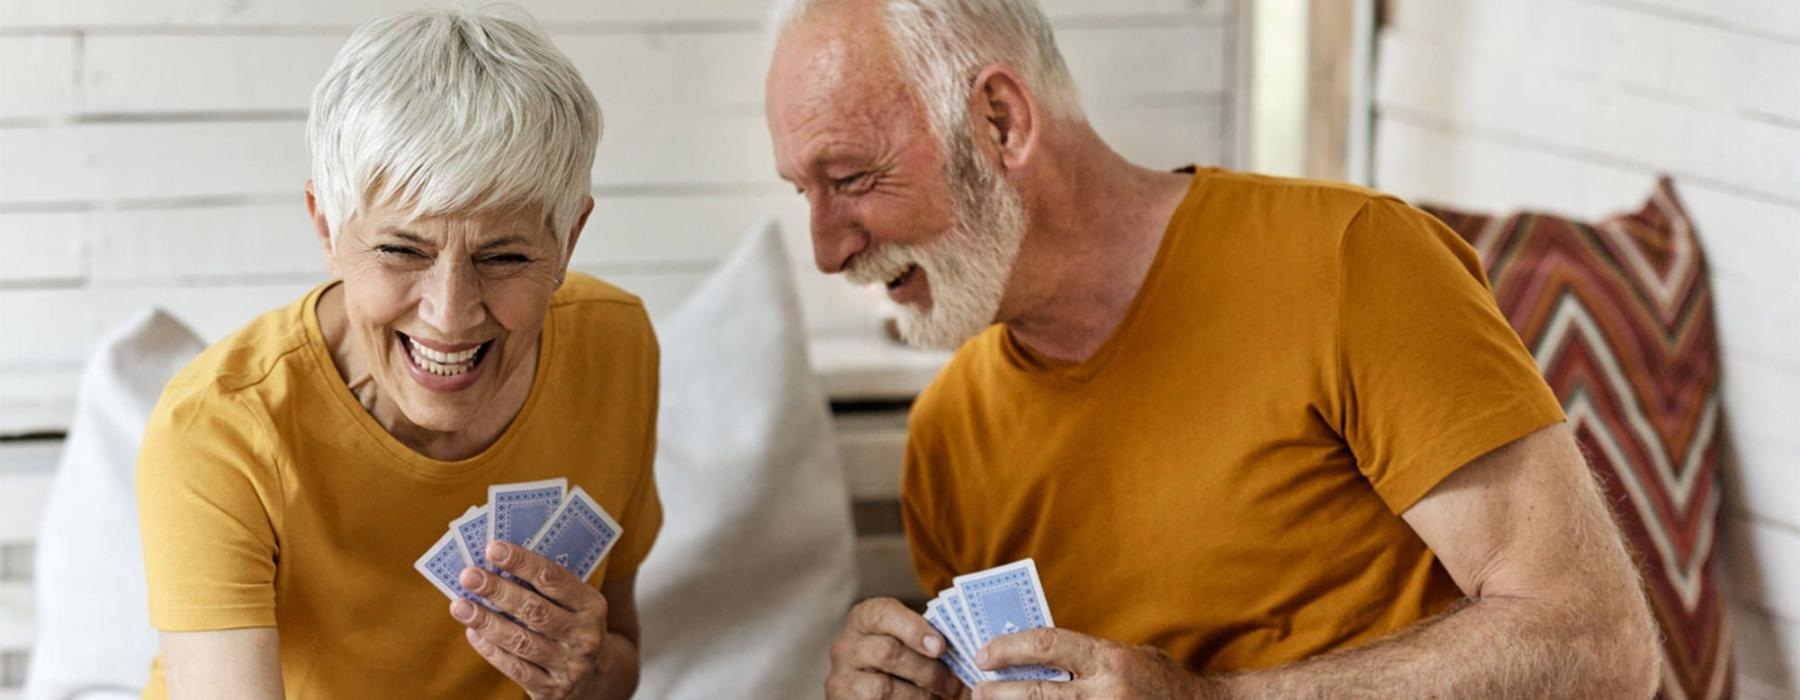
(1223, 479)
(269, 497)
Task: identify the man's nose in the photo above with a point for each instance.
(451, 300)
(835, 236)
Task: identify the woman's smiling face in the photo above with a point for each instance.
(443, 311)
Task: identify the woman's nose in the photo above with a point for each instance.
(451, 301)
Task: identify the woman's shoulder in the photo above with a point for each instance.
(586, 303)
(244, 359)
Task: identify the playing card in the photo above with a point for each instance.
(1004, 600)
(953, 656)
(957, 614)
(518, 511)
(471, 532)
(442, 564)
(578, 536)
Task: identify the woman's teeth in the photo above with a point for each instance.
(446, 364)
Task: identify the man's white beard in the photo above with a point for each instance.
(967, 266)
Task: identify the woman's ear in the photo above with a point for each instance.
(587, 207)
(321, 229)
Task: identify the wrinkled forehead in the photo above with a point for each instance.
(521, 223)
(828, 88)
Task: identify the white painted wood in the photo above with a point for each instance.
(163, 161)
(1764, 563)
(1766, 648)
(1775, 18)
(873, 447)
(738, 14)
(37, 75)
(37, 400)
(16, 610)
(29, 456)
(1692, 142)
(43, 249)
(867, 366)
(884, 568)
(1616, 47)
(663, 73)
(22, 503)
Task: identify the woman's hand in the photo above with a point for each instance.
(559, 646)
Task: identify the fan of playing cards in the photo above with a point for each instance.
(989, 604)
(565, 526)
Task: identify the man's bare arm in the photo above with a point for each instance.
(1554, 610)
(1554, 607)
(224, 664)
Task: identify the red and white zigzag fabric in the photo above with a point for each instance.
(1619, 316)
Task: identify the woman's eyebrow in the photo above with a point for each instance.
(403, 234)
(502, 241)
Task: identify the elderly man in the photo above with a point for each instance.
(1263, 437)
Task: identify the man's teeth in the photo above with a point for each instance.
(446, 364)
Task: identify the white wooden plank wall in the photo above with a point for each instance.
(154, 152)
(1574, 106)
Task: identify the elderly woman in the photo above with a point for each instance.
(291, 476)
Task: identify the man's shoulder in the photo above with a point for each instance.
(962, 380)
(1287, 203)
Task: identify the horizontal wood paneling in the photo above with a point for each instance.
(168, 162)
(1692, 142)
(1617, 48)
(664, 74)
(739, 15)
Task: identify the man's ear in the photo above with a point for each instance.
(587, 207)
(1006, 116)
(322, 229)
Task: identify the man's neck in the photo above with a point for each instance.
(1095, 234)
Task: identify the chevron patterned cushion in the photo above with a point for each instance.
(1619, 317)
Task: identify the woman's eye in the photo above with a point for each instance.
(506, 259)
(399, 251)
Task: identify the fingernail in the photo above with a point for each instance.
(471, 578)
(933, 644)
(498, 552)
(462, 610)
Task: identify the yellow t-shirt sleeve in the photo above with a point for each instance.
(643, 516)
(931, 563)
(208, 507)
(1431, 374)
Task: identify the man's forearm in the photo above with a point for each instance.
(1490, 648)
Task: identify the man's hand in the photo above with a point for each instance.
(888, 651)
(1101, 669)
(558, 648)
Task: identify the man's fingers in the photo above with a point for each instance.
(555, 582)
(889, 617)
(885, 654)
(1026, 690)
(528, 675)
(505, 634)
(871, 685)
(1047, 646)
(533, 610)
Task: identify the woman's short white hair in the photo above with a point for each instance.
(944, 45)
(452, 111)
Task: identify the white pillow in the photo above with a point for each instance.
(93, 619)
(755, 567)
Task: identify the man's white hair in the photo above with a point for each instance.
(453, 111)
(944, 45)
